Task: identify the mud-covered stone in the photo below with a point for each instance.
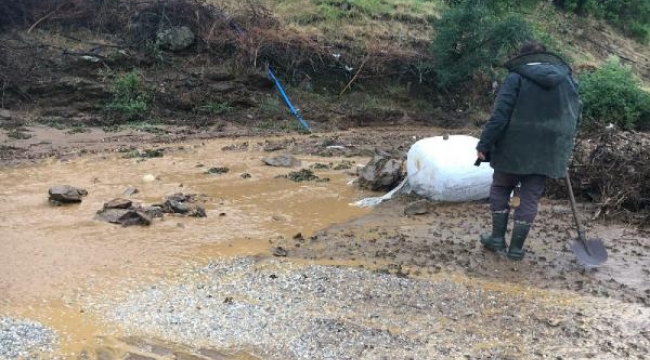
(282, 161)
(381, 173)
(118, 204)
(125, 217)
(130, 191)
(66, 194)
(418, 207)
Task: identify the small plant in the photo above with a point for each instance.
(77, 129)
(130, 101)
(53, 122)
(144, 154)
(218, 108)
(270, 107)
(145, 126)
(613, 94)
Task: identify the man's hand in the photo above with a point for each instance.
(480, 155)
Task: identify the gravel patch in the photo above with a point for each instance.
(281, 310)
(24, 339)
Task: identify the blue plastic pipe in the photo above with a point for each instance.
(287, 101)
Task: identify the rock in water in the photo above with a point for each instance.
(66, 194)
(419, 207)
(118, 204)
(126, 217)
(282, 161)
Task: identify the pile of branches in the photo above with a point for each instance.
(612, 169)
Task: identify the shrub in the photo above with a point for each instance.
(612, 95)
(130, 101)
(631, 16)
(473, 37)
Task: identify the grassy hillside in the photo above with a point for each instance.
(354, 62)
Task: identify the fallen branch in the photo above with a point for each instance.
(41, 20)
(355, 75)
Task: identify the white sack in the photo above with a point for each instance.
(444, 170)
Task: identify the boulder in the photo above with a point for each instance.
(381, 173)
(66, 194)
(176, 38)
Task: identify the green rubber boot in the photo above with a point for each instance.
(519, 233)
(496, 241)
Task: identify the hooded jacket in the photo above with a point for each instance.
(534, 119)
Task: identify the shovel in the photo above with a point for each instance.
(589, 252)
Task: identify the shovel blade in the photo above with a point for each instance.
(590, 252)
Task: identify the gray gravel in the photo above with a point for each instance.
(24, 339)
(282, 310)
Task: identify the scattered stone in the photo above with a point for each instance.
(274, 147)
(118, 204)
(130, 191)
(279, 251)
(418, 207)
(149, 178)
(176, 38)
(5, 114)
(66, 194)
(217, 170)
(154, 211)
(381, 173)
(282, 161)
(245, 176)
(124, 217)
(183, 204)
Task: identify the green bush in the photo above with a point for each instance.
(612, 95)
(631, 16)
(473, 37)
(130, 101)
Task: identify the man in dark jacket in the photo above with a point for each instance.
(528, 138)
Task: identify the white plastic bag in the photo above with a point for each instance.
(444, 170)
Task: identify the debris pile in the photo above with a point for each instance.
(611, 169)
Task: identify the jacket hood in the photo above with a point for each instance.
(545, 69)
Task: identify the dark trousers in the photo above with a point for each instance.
(532, 187)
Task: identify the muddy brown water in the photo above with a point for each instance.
(48, 253)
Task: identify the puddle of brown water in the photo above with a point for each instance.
(48, 253)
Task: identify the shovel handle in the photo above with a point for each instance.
(574, 208)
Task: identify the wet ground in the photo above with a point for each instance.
(99, 285)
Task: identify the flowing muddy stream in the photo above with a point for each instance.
(355, 283)
(48, 253)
